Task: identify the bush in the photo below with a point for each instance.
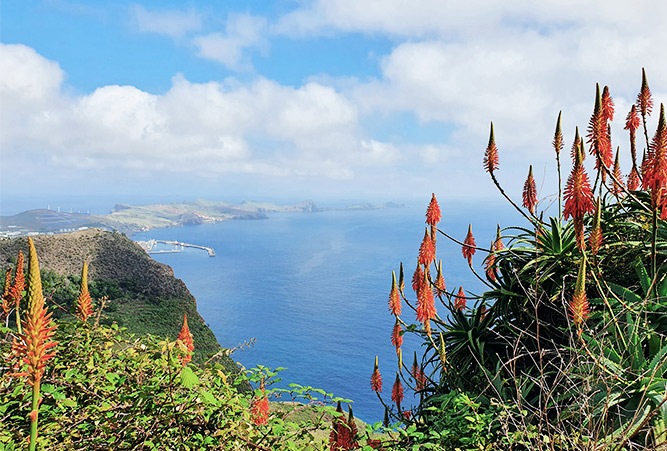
(567, 348)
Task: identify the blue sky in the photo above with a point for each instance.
(331, 100)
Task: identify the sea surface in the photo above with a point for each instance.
(312, 289)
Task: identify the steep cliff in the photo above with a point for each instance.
(144, 295)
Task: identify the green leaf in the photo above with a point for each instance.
(188, 377)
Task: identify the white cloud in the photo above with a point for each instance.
(260, 127)
(243, 32)
(169, 22)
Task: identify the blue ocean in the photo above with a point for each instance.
(312, 289)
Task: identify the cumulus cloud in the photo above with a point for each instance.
(225, 127)
(243, 32)
(172, 23)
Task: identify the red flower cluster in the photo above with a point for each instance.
(654, 169)
(397, 392)
(578, 197)
(38, 331)
(376, 378)
(260, 408)
(644, 100)
(16, 292)
(460, 300)
(6, 306)
(344, 431)
(426, 250)
(598, 129)
(530, 192)
(396, 337)
(491, 154)
(394, 297)
(84, 303)
(468, 249)
(186, 337)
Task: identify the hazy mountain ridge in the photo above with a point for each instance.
(129, 219)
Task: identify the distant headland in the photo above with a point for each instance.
(131, 219)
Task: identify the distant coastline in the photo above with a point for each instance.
(130, 219)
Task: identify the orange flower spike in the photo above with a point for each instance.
(558, 136)
(440, 285)
(426, 250)
(468, 249)
(425, 305)
(632, 124)
(654, 170)
(352, 432)
(186, 338)
(433, 213)
(397, 391)
(260, 408)
(617, 183)
(575, 146)
(579, 308)
(84, 303)
(489, 262)
(598, 134)
(530, 192)
(498, 244)
(396, 336)
(6, 306)
(578, 194)
(491, 153)
(633, 179)
(338, 430)
(460, 301)
(644, 100)
(18, 286)
(376, 378)
(607, 105)
(37, 347)
(394, 297)
(595, 238)
(417, 279)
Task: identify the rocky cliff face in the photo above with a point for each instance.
(152, 301)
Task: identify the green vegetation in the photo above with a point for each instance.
(565, 350)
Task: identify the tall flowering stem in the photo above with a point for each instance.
(84, 303)
(558, 147)
(645, 103)
(16, 292)
(376, 378)
(397, 392)
(468, 249)
(396, 336)
(578, 198)
(36, 347)
(598, 134)
(632, 124)
(6, 305)
(460, 300)
(426, 250)
(491, 165)
(186, 338)
(433, 216)
(425, 305)
(579, 307)
(394, 297)
(530, 192)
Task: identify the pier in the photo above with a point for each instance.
(150, 244)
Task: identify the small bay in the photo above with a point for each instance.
(312, 289)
